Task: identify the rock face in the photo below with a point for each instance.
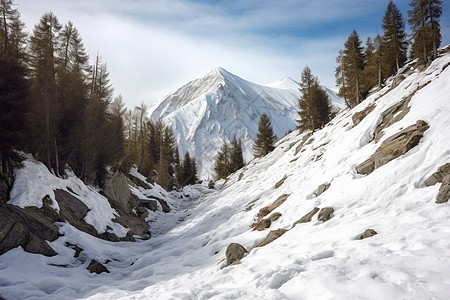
(308, 217)
(117, 191)
(273, 235)
(360, 115)
(439, 175)
(165, 206)
(393, 147)
(96, 267)
(367, 234)
(391, 115)
(28, 228)
(234, 253)
(139, 182)
(322, 188)
(325, 214)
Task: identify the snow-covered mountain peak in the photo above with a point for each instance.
(285, 83)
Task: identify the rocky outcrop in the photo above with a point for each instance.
(304, 142)
(96, 267)
(234, 253)
(322, 188)
(117, 191)
(28, 228)
(280, 182)
(165, 206)
(438, 176)
(444, 191)
(367, 234)
(391, 115)
(139, 182)
(268, 209)
(360, 115)
(307, 218)
(325, 214)
(262, 224)
(149, 204)
(393, 147)
(273, 235)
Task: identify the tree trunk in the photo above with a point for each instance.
(56, 159)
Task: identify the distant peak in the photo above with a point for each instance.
(285, 83)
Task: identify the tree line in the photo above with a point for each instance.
(61, 108)
(359, 69)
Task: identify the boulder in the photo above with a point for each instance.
(275, 216)
(367, 234)
(139, 182)
(234, 253)
(150, 204)
(444, 191)
(212, 184)
(322, 188)
(439, 175)
(117, 191)
(96, 267)
(165, 206)
(261, 225)
(325, 214)
(393, 147)
(280, 183)
(273, 235)
(360, 115)
(308, 217)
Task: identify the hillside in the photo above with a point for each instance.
(374, 167)
(215, 108)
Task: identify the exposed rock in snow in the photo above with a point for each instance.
(234, 253)
(322, 188)
(96, 267)
(360, 115)
(325, 214)
(367, 234)
(308, 217)
(444, 191)
(272, 236)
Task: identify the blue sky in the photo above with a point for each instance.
(154, 47)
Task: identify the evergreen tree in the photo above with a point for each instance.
(188, 176)
(353, 63)
(394, 42)
(424, 18)
(43, 43)
(371, 75)
(314, 106)
(236, 156)
(142, 115)
(340, 77)
(265, 138)
(222, 163)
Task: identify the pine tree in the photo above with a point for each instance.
(424, 18)
(43, 43)
(222, 162)
(314, 106)
(187, 176)
(371, 75)
(236, 156)
(142, 115)
(353, 62)
(265, 138)
(340, 77)
(394, 42)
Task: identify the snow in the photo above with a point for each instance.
(33, 182)
(409, 258)
(207, 111)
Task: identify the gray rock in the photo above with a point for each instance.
(393, 147)
(391, 115)
(234, 253)
(211, 184)
(322, 188)
(117, 191)
(96, 267)
(304, 142)
(262, 224)
(444, 191)
(150, 204)
(273, 235)
(139, 182)
(360, 115)
(439, 175)
(165, 206)
(325, 214)
(280, 183)
(367, 233)
(275, 216)
(308, 217)
(268, 209)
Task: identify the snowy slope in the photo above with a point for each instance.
(409, 258)
(209, 110)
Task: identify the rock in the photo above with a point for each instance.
(275, 216)
(96, 267)
(139, 182)
(393, 147)
(39, 246)
(397, 80)
(150, 204)
(268, 209)
(211, 184)
(117, 191)
(77, 249)
(325, 214)
(444, 191)
(439, 175)
(280, 183)
(234, 253)
(165, 206)
(142, 212)
(360, 115)
(308, 217)
(322, 188)
(273, 235)
(241, 176)
(391, 115)
(261, 225)
(367, 234)
(303, 143)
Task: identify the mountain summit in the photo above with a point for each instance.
(215, 108)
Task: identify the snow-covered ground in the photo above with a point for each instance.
(208, 111)
(409, 258)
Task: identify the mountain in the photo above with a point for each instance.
(215, 108)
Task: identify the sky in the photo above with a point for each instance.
(153, 47)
